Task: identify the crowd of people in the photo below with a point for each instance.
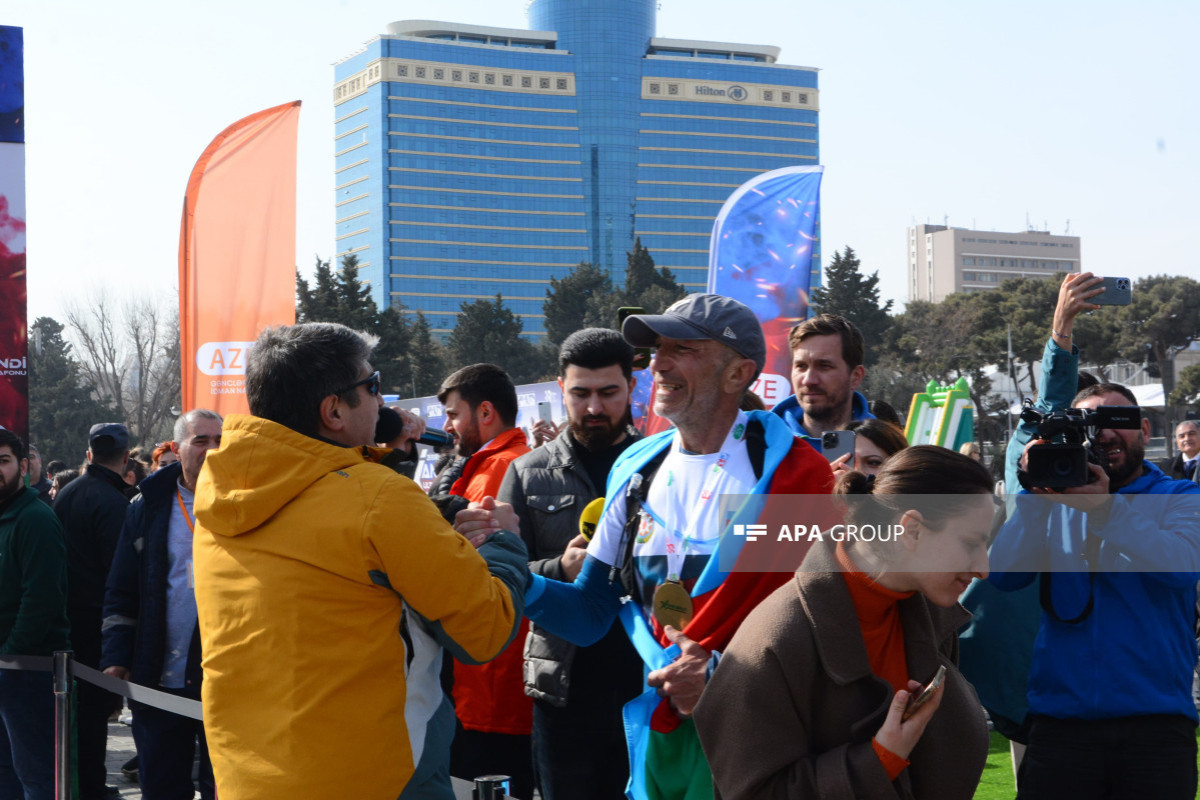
(560, 609)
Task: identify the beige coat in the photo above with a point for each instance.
(791, 710)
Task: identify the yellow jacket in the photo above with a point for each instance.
(326, 585)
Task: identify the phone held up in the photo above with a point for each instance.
(1117, 292)
(835, 444)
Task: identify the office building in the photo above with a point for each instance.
(472, 161)
(944, 260)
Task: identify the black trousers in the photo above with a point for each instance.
(579, 755)
(1152, 756)
(167, 744)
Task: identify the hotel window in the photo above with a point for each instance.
(473, 77)
(655, 88)
(802, 98)
(672, 88)
(439, 74)
(562, 84)
(526, 82)
(402, 70)
(456, 75)
(785, 97)
(768, 95)
(506, 80)
(543, 83)
(490, 78)
(968, 261)
(420, 72)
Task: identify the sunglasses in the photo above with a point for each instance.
(371, 382)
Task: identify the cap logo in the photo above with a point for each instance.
(729, 334)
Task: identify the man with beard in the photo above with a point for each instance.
(1110, 685)
(827, 368)
(33, 622)
(578, 692)
(494, 715)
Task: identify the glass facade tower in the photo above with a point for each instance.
(475, 161)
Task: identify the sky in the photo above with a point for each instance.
(993, 116)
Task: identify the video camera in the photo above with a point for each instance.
(1063, 461)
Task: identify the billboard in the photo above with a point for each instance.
(14, 329)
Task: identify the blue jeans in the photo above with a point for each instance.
(26, 735)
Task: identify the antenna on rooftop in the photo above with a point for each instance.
(1028, 224)
(1067, 232)
(946, 220)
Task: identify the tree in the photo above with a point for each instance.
(490, 332)
(586, 298)
(1162, 319)
(568, 300)
(848, 293)
(1187, 390)
(427, 359)
(130, 352)
(63, 405)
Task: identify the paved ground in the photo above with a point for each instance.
(120, 750)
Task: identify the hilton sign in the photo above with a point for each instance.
(733, 92)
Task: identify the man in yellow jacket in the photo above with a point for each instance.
(327, 587)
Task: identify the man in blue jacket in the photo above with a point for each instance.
(151, 636)
(1110, 686)
(827, 369)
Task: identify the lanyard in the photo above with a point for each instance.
(678, 543)
(186, 516)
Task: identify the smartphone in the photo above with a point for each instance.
(545, 412)
(916, 702)
(641, 355)
(1117, 292)
(835, 444)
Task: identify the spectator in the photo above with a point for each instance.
(884, 411)
(827, 663)
(37, 478)
(494, 715)
(578, 693)
(151, 634)
(1183, 465)
(1118, 592)
(163, 456)
(875, 441)
(135, 471)
(327, 586)
(33, 622)
(92, 510)
(827, 368)
(684, 607)
(972, 450)
(61, 478)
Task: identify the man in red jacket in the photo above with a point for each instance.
(494, 714)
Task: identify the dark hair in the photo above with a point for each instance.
(596, 348)
(12, 441)
(1097, 389)
(1085, 380)
(832, 325)
(884, 435)
(919, 470)
(63, 477)
(138, 468)
(480, 382)
(292, 368)
(883, 410)
(751, 402)
(54, 467)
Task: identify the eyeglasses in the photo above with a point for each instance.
(371, 382)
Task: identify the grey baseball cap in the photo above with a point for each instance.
(702, 316)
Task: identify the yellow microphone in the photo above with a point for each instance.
(590, 518)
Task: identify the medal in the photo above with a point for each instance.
(672, 605)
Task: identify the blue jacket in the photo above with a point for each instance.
(135, 599)
(789, 411)
(1134, 652)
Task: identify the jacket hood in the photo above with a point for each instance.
(260, 467)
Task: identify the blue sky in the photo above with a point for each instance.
(988, 114)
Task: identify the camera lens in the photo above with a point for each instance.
(1062, 466)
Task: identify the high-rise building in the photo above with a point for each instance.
(473, 161)
(944, 260)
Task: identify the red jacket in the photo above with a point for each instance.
(491, 697)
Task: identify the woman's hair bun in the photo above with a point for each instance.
(854, 483)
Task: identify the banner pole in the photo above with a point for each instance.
(62, 724)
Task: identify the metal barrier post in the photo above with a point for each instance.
(62, 724)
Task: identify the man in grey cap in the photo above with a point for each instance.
(660, 529)
(92, 510)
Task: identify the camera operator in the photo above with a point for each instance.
(1110, 684)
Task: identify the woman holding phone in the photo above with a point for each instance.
(810, 698)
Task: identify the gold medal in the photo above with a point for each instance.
(672, 605)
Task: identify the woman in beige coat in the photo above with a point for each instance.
(808, 700)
